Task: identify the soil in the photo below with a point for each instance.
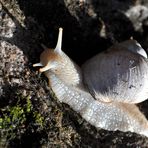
(90, 26)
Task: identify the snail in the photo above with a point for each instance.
(106, 89)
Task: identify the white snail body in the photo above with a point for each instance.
(94, 98)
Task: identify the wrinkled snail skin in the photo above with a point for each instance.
(98, 105)
(110, 116)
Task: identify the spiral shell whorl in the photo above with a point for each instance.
(117, 75)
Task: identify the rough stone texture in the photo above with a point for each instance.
(90, 26)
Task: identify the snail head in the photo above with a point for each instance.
(50, 59)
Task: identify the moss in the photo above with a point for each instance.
(38, 119)
(15, 118)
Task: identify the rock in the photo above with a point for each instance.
(90, 26)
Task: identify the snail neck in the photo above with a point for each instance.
(68, 71)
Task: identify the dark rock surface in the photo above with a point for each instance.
(90, 26)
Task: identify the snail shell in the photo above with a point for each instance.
(118, 74)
